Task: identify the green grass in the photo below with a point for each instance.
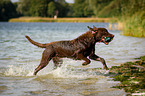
(135, 25)
(131, 75)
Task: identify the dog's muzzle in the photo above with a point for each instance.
(106, 40)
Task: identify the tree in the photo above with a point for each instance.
(7, 10)
(88, 10)
(51, 9)
(42, 8)
(60, 1)
(39, 8)
(82, 8)
(62, 9)
(78, 8)
(24, 7)
(98, 5)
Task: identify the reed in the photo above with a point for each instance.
(116, 26)
(134, 26)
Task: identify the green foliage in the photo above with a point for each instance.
(142, 58)
(130, 7)
(99, 5)
(43, 8)
(38, 8)
(82, 8)
(133, 18)
(78, 8)
(131, 75)
(113, 9)
(60, 1)
(51, 9)
(62, 9)
(135, 25)
(7, 10)
(23, 7)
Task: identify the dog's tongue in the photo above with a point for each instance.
(105, 42)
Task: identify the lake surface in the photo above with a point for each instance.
(19, 58)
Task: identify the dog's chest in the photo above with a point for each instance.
(88, 51)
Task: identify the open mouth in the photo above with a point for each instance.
(106, 40)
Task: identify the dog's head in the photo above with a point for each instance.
(101, 35)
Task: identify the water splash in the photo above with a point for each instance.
(69, 71)
(65, 71)
(14, 70)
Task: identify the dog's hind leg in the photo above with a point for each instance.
(57, 62)
(46, 57)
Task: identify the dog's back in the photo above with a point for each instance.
(66, 48)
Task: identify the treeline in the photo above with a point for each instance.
(7, 10)
(131, 13)
(80, 8)
(42, 8)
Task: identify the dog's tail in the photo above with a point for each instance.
(36, 43)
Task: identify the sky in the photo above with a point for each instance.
(68, 1)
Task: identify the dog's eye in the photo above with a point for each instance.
(105, 32)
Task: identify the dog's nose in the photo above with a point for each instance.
(112, 36)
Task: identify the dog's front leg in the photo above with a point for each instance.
(82, 57)
(97, 58)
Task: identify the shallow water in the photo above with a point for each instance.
(19, 58)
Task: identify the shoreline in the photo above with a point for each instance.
(45, 19)
(131, 75)
(114, 23)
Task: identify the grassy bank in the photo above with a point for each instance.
(131, 75)
(43, 19)
(134, 25)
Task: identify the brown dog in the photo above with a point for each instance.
(79, 48)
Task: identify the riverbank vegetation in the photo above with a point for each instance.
(44, 19)
(131, 75)
(135, 25)
(129, 12)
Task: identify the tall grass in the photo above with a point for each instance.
(134, 25)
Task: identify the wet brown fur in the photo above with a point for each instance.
(80, 48)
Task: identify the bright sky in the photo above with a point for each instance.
(68, 1)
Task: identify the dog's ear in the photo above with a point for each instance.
(91, 29)
(94, 27)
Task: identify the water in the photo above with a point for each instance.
(19, 58)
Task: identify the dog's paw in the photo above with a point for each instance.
(84, 64)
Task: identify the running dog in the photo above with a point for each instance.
(81, 48)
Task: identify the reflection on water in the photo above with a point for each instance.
(19, 58)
